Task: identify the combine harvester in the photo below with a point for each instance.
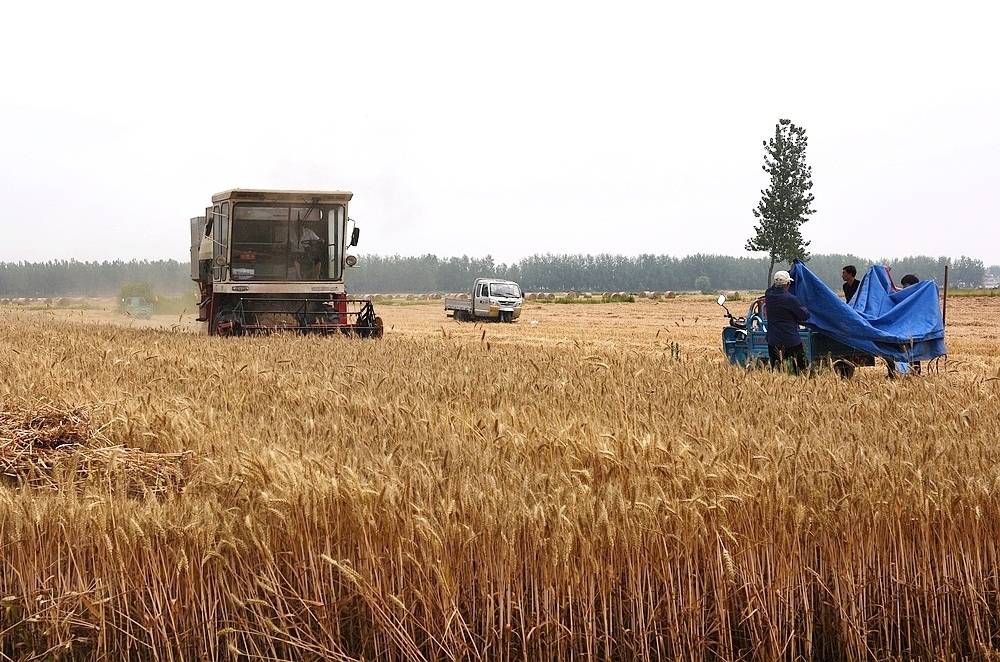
(269, 261)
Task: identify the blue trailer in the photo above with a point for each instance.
(901, 325)
(744, 342)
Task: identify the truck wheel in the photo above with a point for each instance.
(844, 369)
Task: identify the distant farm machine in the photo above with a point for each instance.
(268, 261)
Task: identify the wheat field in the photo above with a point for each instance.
(567, 486)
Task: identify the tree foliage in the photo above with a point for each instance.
(787, 201)
(968, 272)
(141, 290)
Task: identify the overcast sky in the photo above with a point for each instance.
(505, 128)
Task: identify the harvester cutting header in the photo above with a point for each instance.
(275, 261)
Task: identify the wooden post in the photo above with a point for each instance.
(944, 311)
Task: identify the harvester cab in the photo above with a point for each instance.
(275, 261)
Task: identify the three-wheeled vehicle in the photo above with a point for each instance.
(744, 342)
(492, 298)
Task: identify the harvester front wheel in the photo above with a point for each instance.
(227, 323)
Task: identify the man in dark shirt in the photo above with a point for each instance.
(784, 314)
(851, 282)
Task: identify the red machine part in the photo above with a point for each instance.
(341, 307)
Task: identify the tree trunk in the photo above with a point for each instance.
(770, 271)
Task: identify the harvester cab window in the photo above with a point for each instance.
(335, 223)
(284, 243)
(216, 228)
(224, 221)
(307, 244)
(218, 238)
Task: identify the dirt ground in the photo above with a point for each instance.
(694, 322)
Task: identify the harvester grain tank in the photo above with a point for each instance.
(269, 260)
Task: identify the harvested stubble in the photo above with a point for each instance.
(42, 445)
(445, 497)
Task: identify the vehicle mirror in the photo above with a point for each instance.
(355, 235)
(722, 299)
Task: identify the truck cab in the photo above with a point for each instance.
(491, 298)
(276, 260)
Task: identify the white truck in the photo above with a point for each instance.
(492, 298)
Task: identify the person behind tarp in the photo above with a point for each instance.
(851, 282)
(901, 367)
(784, 314)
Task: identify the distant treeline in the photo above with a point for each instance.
(429, 273)
(618, 273)
(70, 278)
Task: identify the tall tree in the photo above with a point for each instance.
(787, 202)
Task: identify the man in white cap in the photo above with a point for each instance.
(784, 315)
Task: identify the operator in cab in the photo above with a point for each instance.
(784, 314)
(305, 247)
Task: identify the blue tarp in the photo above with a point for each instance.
(904, 325)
